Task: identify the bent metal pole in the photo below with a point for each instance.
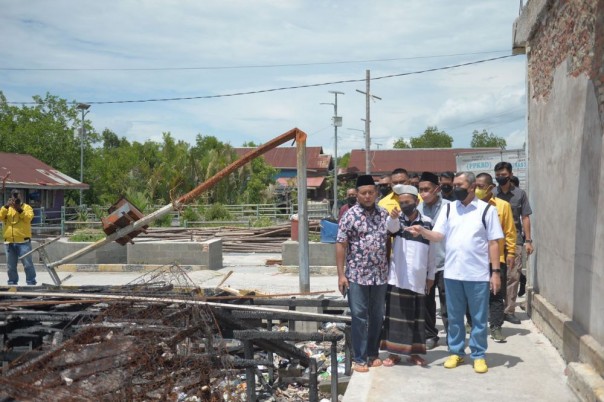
(293, 134)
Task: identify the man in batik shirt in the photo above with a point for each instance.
(362, 261)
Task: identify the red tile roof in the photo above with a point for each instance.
(285, 158)
(435, 160)
(311, 182)
(29, 172)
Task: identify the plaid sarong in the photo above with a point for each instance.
(404, 330)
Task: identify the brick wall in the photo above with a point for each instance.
(570, 31)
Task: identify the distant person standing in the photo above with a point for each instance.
(431, 206)
(351, 199)
(521, 209)
(446, 185)
(362, 262)
(414, 180)
(16, 217)
(390, 201)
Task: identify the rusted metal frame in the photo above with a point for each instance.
(334, 371)
(250, 375)
(276, 346)
(162, 300)
(249, 336)
(334, 303)
(292, 134)
(287, 336)
(285, 315)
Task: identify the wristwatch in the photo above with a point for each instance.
(528, 241)
(496, 270)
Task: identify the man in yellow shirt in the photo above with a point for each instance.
(507, 246)
(390, 201)
(16, 217)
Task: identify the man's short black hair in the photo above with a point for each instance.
(447, 175)
(413, 175)
(503, 165)
(488, 178)
(400, 171)
(384, 176)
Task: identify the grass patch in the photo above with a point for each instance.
(87, 235)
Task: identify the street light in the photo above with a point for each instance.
(337, 122)
(84, 108)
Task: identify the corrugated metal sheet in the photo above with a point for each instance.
(29, 172)
(435, 160)
(285, 158)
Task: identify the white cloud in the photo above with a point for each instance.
(151, 34)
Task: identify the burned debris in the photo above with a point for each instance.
(161, 338)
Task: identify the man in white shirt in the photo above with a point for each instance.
(472, 230)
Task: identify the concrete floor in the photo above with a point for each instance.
(526, 368)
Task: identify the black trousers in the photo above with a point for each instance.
(430, 317)
(496, 301)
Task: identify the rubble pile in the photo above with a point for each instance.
(148, 341)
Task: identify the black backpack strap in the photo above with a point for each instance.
(448, 209)
(484, 214)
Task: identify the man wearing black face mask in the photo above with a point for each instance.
(472, 230)
(521, 209)
(351, 199)
(390, 201)
(412, 270)
(384, 186)
(446, 186)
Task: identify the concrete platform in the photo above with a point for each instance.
(526, 368)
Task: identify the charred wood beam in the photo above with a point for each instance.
(254, 334)
(165, 300)
(301, 302)
(285, 315)
(276, 346)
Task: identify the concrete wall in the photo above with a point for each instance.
(321, 255)
(564, 42)
(111, 253)
(206, 254)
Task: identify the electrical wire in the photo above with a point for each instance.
(326, 63)
(285, 88)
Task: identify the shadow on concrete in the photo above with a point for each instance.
(515, 331)
(500, 360)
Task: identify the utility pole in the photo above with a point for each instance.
(368, 97)
(337, 122)
(84, 108)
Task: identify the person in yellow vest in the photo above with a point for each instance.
(390, 201)
(507, 247)
(16, 217)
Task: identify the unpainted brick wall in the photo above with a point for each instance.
(569, 31)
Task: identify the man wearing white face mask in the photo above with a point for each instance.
(411, 275)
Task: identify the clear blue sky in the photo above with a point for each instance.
(89, 51)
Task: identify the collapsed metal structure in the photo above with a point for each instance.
(125, 221)
(163, 338)
(159, 338)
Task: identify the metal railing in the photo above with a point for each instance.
(71, 218)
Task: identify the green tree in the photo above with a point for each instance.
(344, 160)
(484, 139)
(401, 143)
(432, 138)
(49, 130)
